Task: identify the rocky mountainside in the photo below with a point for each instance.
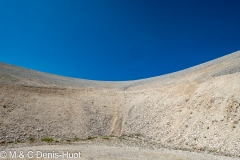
(197, 109)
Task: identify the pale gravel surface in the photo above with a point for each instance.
(92, 150)
(197, 109)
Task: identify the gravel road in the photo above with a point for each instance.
(99, 151)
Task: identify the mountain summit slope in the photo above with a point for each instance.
(225, 65)
(196, 109)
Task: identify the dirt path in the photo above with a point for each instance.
(100, 151)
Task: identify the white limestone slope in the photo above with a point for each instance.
(196, 109)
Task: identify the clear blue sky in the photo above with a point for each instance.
(116, 39)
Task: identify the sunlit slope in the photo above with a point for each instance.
(194, 109)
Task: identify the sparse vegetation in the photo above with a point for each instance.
(76, 139)
(47, 139)
(32, 139)
(18, 141)
(10, 142)
(111, 135)
(108, 136)
(90, 138)
(123, 136)
(133, 135)
(105, 137)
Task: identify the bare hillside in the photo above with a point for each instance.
(197, 109)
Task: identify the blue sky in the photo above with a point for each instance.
(116, 39)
